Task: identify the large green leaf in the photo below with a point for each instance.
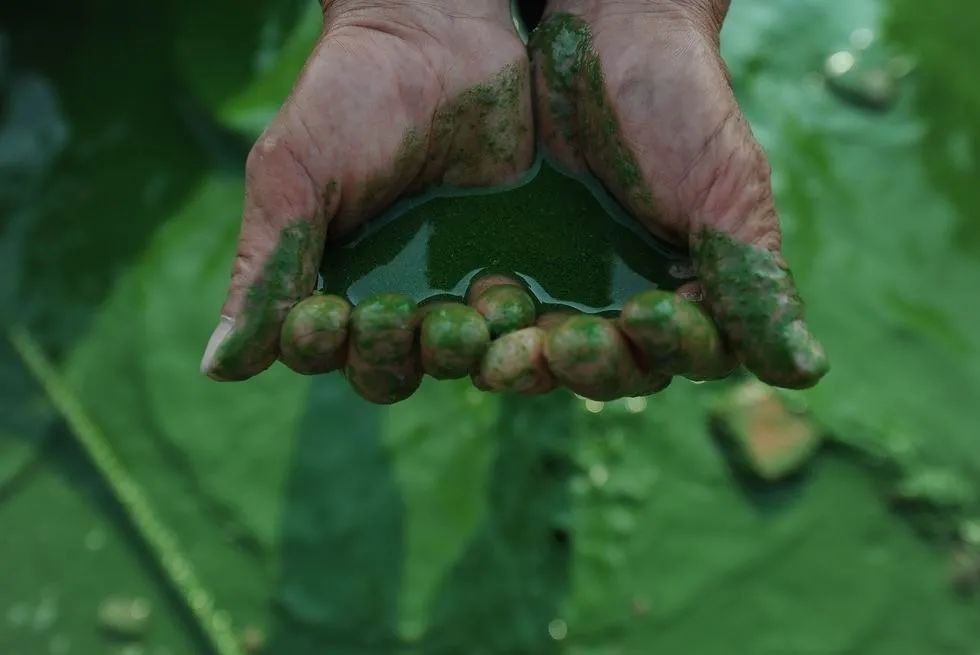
(458, 522)
(874, 239)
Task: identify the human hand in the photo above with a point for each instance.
(635, 92)
(397, 96)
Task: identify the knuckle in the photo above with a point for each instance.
(279, 180)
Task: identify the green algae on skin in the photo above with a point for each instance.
(314, 335)
(674, 336)
(591, 357)
(484, 128)
(453, 339)
(382, 361)
(579, 104)
(506, 308)
(515, 362)
(288, 275)
(751, 294)
(383, 328)
(384, 384)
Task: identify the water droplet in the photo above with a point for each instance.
(636, 405)
(95, 539)
(124, 617)
(862, 38)
(599, 475)
(839, 63)
(641, 606)
(594, 406)
(131, 649)
(558, 629)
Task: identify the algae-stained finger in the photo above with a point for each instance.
(590, 356)
(674, 336)
(506, 308)
(516, 362)
(383, 327)
(751, 293)
(453, 339)
(314, 335)
(383, 360)
(384, 383)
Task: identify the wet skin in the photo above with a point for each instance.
(453, 341)
(383, 363)
(314, 336)
(659, 129)
(635, 92)
(342, 149)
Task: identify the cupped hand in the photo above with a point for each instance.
(397, 96)
(635, 92)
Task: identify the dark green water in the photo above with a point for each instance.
(570, 241)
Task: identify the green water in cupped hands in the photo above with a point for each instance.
(566, 237)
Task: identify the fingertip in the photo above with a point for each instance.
(807, 361)
(516, 362)
(452, 339)
(590, 356)
(506, 308)
(217, 338)
(313, 338)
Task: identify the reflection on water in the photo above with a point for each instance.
(572, 244)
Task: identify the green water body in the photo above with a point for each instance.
(568, 239)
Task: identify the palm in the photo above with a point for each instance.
(637, 94)
(387, 104)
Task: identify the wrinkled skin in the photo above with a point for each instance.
(397, 96)
(635, 92)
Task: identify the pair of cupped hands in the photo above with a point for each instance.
(403, 95)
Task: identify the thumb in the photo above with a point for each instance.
(736, 241)
(279, 249)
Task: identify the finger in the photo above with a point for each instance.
(503, 302)
(550, 320)
(516, 362)
(590, 356)
(751, 293)
(453, 339)
(674, 336)
(284, 223)
(504, 312)
(382, 362)
(314, 335)
(554, 49)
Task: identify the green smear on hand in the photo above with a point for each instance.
(289, 275)
(753, 297)
(566, 238)
(562, 47)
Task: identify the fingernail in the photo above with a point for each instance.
(225, 326)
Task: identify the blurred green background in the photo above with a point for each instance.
(146, 510)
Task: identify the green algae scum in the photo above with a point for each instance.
(580, 250)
